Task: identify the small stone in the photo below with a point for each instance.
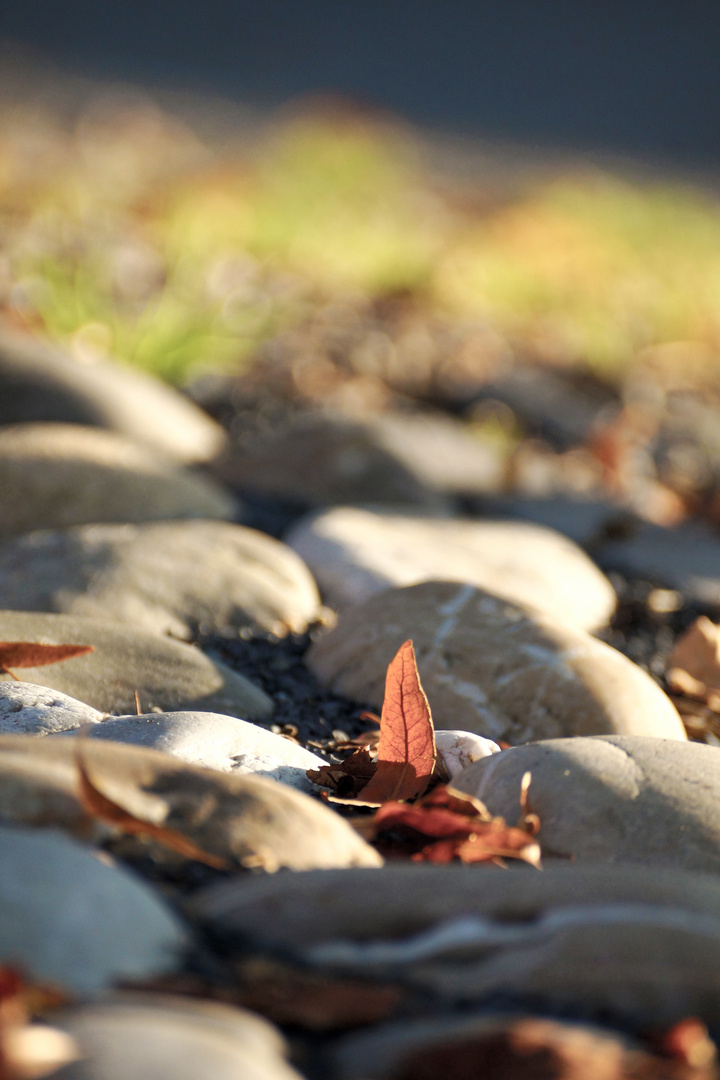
(459, 749)
(355, 553)
(491, 667)
(215, 742)
(75, 923)
(42, 383)
(612, 799)
(169, 577)
(243, 820)
(165, 673)
(161, 1037)
(35, 710)
(55, 475)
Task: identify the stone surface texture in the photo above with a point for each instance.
(41, 383)
(215, 742)
(355, 553)
(612, 799)
(26, 709)
(56, 475)
(72, 922)
(166, 674)
(492, 667)
(169, 577)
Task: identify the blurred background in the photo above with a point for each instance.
(426, 193)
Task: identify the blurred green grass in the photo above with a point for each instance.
(126, 236)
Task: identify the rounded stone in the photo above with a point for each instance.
(168, 577)
(162, 1037)
(215, 742)
(355, 553)
(498, 669)
(73, 922)
(166, 674)
(41, 383)
(55, 475)
(612, 799)
(26, 709)
(242, 820)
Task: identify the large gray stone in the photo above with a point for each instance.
(42, 383)
(166, 674)
(169, 577)
(633, 944)
(215, 742)
(72, 922)
(55, 475)
(242, 820)
(26, 709)
(612, 799)
(159, 1037)
(501, 670)
(355, 553)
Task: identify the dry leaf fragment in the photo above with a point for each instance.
(348, 777)
(447, 825)
(406, 751)
(29, 654)
(100, 806)
(694, 663)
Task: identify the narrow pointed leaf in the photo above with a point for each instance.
(100, 806)
(29, 654)
(406, 751)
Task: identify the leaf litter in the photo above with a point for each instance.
(440, 825)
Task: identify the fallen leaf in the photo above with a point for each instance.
(447, 825)
(347, 778)
(30, 654)
(104, 809)
(406, 751)
(694, 663)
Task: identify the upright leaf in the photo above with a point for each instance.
(406, 751)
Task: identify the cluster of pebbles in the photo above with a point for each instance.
(228, 661)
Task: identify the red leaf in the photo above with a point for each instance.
(447, 825)
(103, 808)
(29, 654)
(406, 751)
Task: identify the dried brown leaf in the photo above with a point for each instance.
(444, 826)
(104, 809)
(406, 751)
(347, 778)
(30, 654)
(694, 663)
